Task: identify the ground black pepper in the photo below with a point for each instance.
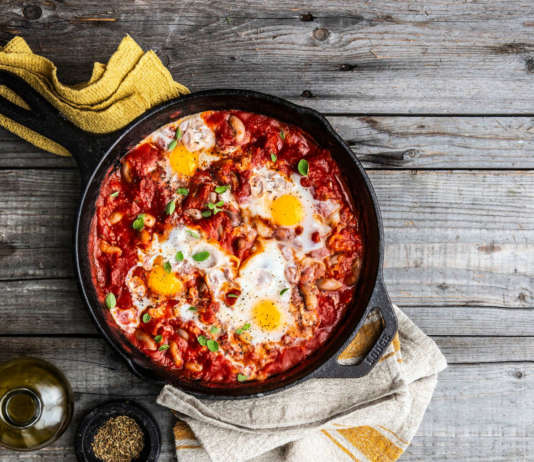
(119, 439)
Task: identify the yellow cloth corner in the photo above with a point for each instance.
(130, 83)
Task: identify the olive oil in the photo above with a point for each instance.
(35, 403)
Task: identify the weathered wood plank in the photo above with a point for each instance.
(464, 422)
(400, 57)
(383, 142)
(54, 306)
(452, 238)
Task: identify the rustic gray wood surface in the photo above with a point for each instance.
(435, 97)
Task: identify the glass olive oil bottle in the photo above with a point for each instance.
(35, 403)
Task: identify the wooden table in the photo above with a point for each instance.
(435, 97)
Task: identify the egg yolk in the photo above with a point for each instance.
(163, 283)
(266, 315)
(183, 161)
(287, 210)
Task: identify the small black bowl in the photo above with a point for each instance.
(99, 415)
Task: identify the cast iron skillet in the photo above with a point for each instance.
(95, 154)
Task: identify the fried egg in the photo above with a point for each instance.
(286, 203)
(191, 152)
(261, 313)
(169, 262)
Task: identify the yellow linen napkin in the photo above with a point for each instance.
(130, 83)
(371, 419)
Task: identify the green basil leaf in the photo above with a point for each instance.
(273, 157)
(241, 378)
(171, 207)
(243, 328)
(178, 135)
(179, 256)
(201, 256)
(221, 189)
(158, 338)
(232, 295)
(139, 223)
(193, 234)
(219, 204)
(114, 194)
(282, 134)
(192, 308)
(202, 340)
(212, 345)
(172, 145)
(183, 191)
(111, 301)
(146, 318)
(283, 291)
(215, 330)
(206, 213)
(163, 347)
(303, 167)
(210, 205)
(167, 266)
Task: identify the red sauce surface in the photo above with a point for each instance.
(140, 186)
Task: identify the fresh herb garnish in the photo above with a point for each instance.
(202, 340)
(273, 157)
(216, 208)
(241, 378)
(171, 207)
(139, 223)
(179, 256)
(114, 194)
(243, 328)
(167, 266)
(201, 256)
(172, 145)
(193, 234)
(206, 213)
(192, 308)
(212, 345)
(232, 296)
(215, 330)
(221, 189)
(146, 318)
(111, 301)
(282, 134)
(183, 191)
(158, 338)
(174, 142)
(283, 291)
(163, 347)
(303, 167)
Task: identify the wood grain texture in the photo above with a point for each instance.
(439, 57)
(452, 238)
(495, 394)
(382, 142)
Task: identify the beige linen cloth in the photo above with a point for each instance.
(372, 419)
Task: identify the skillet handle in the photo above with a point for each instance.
(379, 300)
(45, 119)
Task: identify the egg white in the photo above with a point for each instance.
(267, 185)
(261, 277)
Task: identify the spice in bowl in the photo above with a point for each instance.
(119, 439)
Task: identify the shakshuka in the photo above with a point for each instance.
(226, 246)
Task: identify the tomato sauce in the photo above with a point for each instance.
(142, 186)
